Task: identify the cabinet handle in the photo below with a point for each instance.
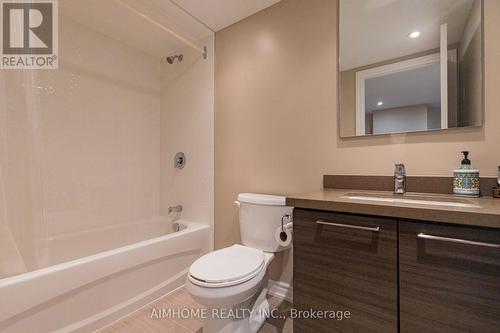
(457, 240)
(349, 226)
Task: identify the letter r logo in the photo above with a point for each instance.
(27, 28)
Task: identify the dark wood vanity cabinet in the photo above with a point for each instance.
(394, 276)
(449, 278)
(345, 263)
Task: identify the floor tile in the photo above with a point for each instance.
(144, 321)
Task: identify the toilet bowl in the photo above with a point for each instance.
(232, 282)
(230, 289)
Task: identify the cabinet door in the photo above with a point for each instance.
(449, 278)
(345, 263)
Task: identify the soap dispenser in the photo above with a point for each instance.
(466, 178)
(496, 190)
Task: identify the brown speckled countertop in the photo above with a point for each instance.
(485, 213)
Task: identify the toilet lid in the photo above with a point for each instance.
(232, 264)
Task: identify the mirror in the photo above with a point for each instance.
(409, 66)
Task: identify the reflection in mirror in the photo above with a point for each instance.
(408, 66)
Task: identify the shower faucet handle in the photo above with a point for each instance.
(175, 209)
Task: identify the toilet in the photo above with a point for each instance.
(232, 282)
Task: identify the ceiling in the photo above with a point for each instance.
(377, 30)
(219, 14)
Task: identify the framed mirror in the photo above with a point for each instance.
(410, 66)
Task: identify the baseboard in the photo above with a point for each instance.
(280, 289)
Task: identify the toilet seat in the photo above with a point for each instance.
(227, 267)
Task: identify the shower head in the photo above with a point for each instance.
(171, 59)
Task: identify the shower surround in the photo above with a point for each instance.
(86, 166)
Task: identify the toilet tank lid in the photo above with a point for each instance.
(262, 199)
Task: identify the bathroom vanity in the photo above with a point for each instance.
(412, 263)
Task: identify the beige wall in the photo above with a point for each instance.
(276, 114)
(274, 118)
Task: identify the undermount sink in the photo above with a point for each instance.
(412, 199)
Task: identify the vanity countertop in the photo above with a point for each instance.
(483, 212)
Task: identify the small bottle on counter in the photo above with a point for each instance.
(496, 190)
(498, 177)
(466, 178)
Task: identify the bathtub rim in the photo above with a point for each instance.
(9, 280)
(18, 305)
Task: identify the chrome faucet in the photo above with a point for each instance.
(400, 179)
(175, 209)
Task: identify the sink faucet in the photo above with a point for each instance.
(400, 179)
(175, 209)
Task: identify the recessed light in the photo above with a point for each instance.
(414, 34)
(380, 103)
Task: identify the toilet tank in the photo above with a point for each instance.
(260, 216)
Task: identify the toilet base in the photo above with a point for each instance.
(250, 322)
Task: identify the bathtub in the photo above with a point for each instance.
(85, 294)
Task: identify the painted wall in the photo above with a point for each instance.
(187, 125)
(276, 114)
(274, 102)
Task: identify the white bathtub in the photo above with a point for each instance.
(86, 294)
